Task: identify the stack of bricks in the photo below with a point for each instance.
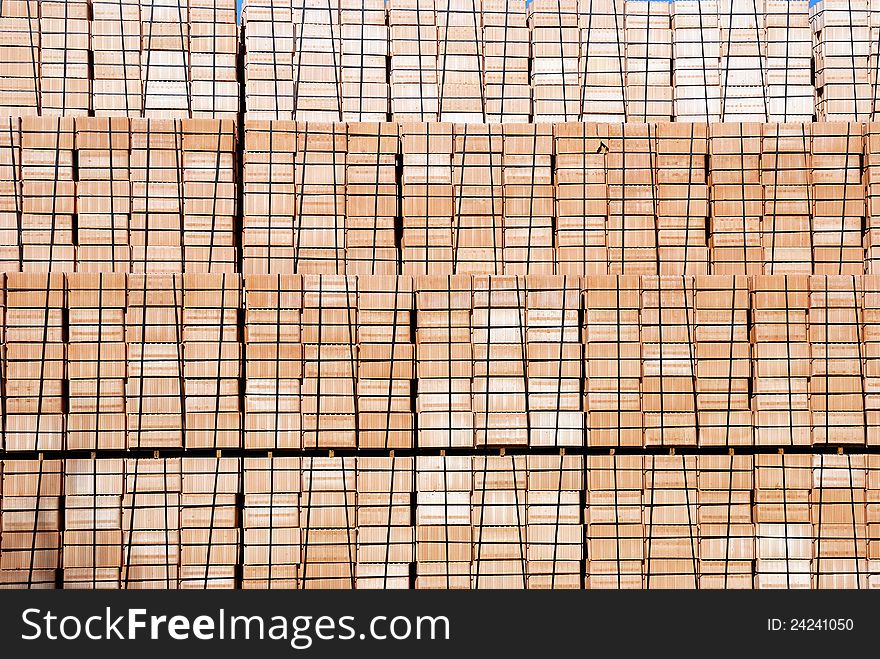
(790, 92)
(445, 365)
(581, 195)
(841, 55)
(736, 199)
(426, 192)
(628, 198)
(10, 194)
(211, 360)
(786, 175)
(103, 194)
(157, 196)
(209, 196)
(836, 366)
(385, 533)
(871, 178)
(554, 366)
(783, 529)
(498, 518)
(506, 84)
(187, 58)
(681, 161)
(268, 35)
(116, 52)
(92, 552)
(330, 362)
(149, 195)
(213, 45)
(209, 525)
(649, 88)
(669, 515)
(781, 360)
(328, 522)
(97, 361)
(165, 58)
(872, 518)
(528, 198)
(838, 196)
(613, 519)
(444, 535)
(669, 361)
(317, 62)
(268, 241)
(500, 378)
(838, 511)
(874, 59)
(151, 524)
(372, 206)
(743, 66)
(48, 194)
(723, 369)
(386, 362)
(155, 397)
(603, 61)
(554, 525)
(478, 232)
(35, 362)
(270, 523)
(415, 92)
(630, 176)
(555, 48)
(365, 51)
(871, 358)
(696, 38)
(612, 362)
(651, 521)
(724, 513)
(65, 42)
(20, 42)
(490, 350)
(31, 521)
(537, 291)
(273, 363)
(319, 199)
(461, 96)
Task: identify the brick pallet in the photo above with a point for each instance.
(461, 96)
(508, 94)
(97, 366)
(386, 537)
(603, 62)
(386, 363)
(791, 95)
(743, 65)
(841, 52)
(444, 365)
(426, 189)
(273, 361)
(649, 62)
(415, 91)
(528, 200)
(555, 49)
(696, 38)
